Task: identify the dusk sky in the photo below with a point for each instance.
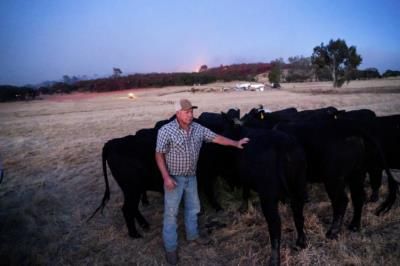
(46, 39)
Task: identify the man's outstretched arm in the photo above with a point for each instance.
(229, 142)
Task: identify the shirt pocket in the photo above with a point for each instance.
(178, 145)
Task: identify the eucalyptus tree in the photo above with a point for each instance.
(340, 59)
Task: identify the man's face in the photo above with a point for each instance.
(185, 116)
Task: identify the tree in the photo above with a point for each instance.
(70, 80)
(66, 79)
(369, 73)
(300, 69)
(322, 74)
(275, 74)
(14, 93)
(203, 68)
(391, 73)
(116, 72)
(340, 59)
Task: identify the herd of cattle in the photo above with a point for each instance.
(287, 149)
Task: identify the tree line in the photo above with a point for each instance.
(14, 93)
(336, 62)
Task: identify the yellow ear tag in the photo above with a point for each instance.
(262, 116)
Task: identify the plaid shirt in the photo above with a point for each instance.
(182, 149)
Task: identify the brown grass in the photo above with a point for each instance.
(51, 152)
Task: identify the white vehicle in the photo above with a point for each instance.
(249, 86)
(243, 86)
(257, 86)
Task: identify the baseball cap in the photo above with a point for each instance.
(184, 104)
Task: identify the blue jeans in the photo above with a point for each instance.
(187, 186)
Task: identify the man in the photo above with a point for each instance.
(177, 152)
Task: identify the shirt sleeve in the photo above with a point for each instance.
(208, 135)
(162, 145)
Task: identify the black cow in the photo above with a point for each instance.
(356, 115)
(390, 136)
(212, 159)
(316, 114)
(386, 130)
(217, 122)
(286, 113)
(363, 118)
(258, 118)
(131, 161)
(273, 165)
(337, 154)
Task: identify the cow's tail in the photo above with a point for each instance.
(392, 185)
(391, 198)
(106, 196)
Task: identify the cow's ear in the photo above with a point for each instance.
(224, 116)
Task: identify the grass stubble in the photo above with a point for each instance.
(51, 151)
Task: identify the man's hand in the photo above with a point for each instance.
(242, 142)
(230, 142)
(169, 183)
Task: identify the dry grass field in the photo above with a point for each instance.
(51, 151)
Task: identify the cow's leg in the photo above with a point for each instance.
(270, 210)
(128, 209)
(137, 214)
(296, 176)
(296, 180)
(339, 200)
(208, 182)
(244, 206)
(207, 173)
(375, 179)
(212, 198)
(358, 199)
(306, 195)
(297, 209)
